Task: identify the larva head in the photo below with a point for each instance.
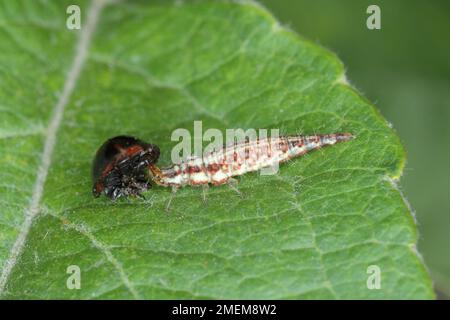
(120, 167)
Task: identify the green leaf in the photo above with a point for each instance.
(311, 231)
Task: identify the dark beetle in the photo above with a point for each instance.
(120, 167)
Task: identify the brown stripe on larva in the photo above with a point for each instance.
(212, 167)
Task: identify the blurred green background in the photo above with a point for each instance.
(404, 69)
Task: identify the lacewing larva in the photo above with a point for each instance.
(126, 166)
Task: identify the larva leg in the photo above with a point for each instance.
(232, 183)
(172, 195)
(205, 188)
